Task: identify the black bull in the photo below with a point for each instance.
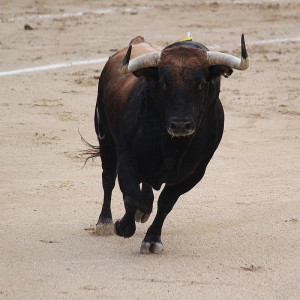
(156, 124)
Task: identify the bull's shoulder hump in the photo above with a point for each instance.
(139, 47)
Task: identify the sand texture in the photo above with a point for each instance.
(236, 235)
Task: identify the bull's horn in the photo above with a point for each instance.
(218, 58)
(140, 62)
(124, 66)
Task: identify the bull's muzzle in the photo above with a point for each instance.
(179, 127)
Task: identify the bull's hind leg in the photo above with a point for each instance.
(145, 208)
(108, 156)
(104, 225)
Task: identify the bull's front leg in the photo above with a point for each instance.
(128, 175)
(152, 242)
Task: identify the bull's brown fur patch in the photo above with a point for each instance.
(137, 40)
(183, 56)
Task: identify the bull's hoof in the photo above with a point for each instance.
(141, 216)
(153, 247)
(151, 244)
(124, 228)
(105, 229)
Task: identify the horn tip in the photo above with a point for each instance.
(127, 56)
(243, 46)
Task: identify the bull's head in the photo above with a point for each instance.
(186, 81)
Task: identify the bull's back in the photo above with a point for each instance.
(115, 89)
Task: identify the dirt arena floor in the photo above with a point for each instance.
(236, 235)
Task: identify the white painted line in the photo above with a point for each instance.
(255, 2)
(296, 39)
(101, 60)
(79, 13)
(55, 66)
(60, 16)
(250, 1)
(273, 41)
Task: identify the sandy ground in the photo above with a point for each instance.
(234, 236)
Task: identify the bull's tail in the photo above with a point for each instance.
(91, 152)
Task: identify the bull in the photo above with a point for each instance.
(159, 120)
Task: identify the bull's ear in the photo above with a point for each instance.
(218, 70)
(150, 73)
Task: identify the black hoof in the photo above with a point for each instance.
(151, 244)
(124, 228)
(141, 216)
(144, 211)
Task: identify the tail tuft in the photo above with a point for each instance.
(91, 152)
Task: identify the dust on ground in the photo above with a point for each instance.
(235, 235)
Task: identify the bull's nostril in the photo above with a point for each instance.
(181, 125)
(188, 126)
(173, 125)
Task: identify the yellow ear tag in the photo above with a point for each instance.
(188, 37)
